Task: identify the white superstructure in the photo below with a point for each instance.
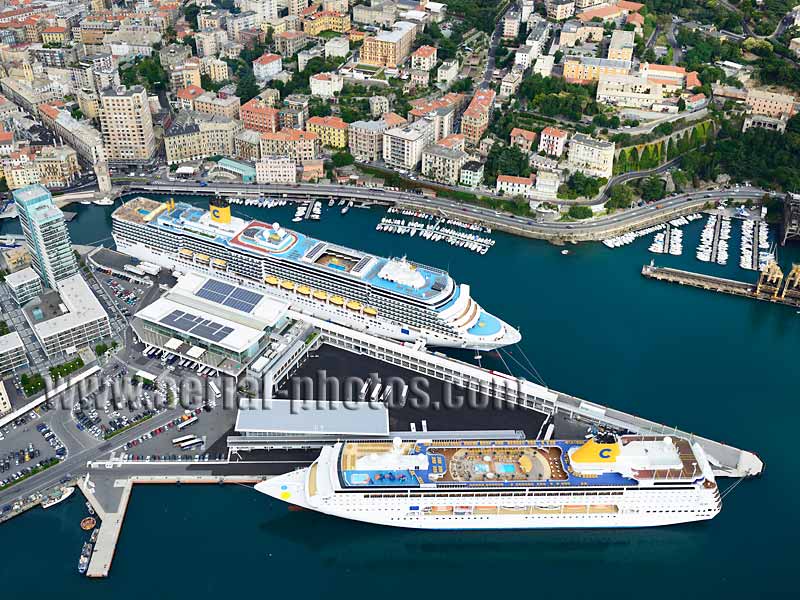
(631, 481)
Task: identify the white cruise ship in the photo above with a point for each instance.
(394, 298)
(631, 481)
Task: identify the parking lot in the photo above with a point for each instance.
(26, 444)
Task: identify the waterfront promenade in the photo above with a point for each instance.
(554, 231)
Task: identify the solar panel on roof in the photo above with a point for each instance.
(246, 296)
(229, 295)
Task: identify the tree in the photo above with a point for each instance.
(580, 212)
(342, 159)
(621, 196)
(652, 188)
(247, 88)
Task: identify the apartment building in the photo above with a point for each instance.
(247, 145)
(621, 45)
(276, 169)
(365, 139)
(388, 48)
(559, 10)
(68, 318)
(290, 43)
(576, 31)
(591, 157)
(326, 20)
(210, 41)
(476, 117)
(299, 145)
(224, 105)
(83, 138)
(443, 164)
(185, 74)
(447, 73)
(196, 136)
(403, 146)
(471, 173)
(511, 23)
(126, 125)
(332, 131)
(424, 58)
(326, 85)
(12, 357)
(552, 141)
(217, 70)
(267, 66)
(522, 138)
(53, 167)
(258, 115)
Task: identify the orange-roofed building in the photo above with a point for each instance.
(454, 141)
(424, 58)
(259, 116)
(54, 35)
(510, 185)
(186, 96)
(552, 141)
(300, 145)
(332, 131)
(523, 138)
(475, 119)
(392, 119)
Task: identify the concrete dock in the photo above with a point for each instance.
(715, 284)
(110, 498)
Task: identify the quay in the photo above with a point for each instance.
(110, 503)
(769, 287)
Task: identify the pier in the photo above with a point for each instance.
(769, 288)
(715, 240)
(110, 498)
(755, 250)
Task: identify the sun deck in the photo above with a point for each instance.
(492, 463)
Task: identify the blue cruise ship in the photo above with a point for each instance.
(390, 297)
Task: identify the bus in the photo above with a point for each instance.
(189, 444)
(179, 440)
(184, 424)
(215, 390)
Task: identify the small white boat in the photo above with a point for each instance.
(52, 501)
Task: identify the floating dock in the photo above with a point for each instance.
(763, 290)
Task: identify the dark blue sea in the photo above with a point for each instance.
(720, 366)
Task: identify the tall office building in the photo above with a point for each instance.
(127, 125)
(46, 235)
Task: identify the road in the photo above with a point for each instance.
(677, 53)
(76, 462)
(579, 231)
(494, 42)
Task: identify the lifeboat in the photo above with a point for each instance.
(219, 263)
(354, 305)
(287, 285)
(272, 280)
(370, 311)
(320, 295)
(337, 300)
(201, 258)
(186, 252)
(304, 290)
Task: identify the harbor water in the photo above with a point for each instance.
(721, 366)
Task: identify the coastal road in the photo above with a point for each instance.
(594, 229)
